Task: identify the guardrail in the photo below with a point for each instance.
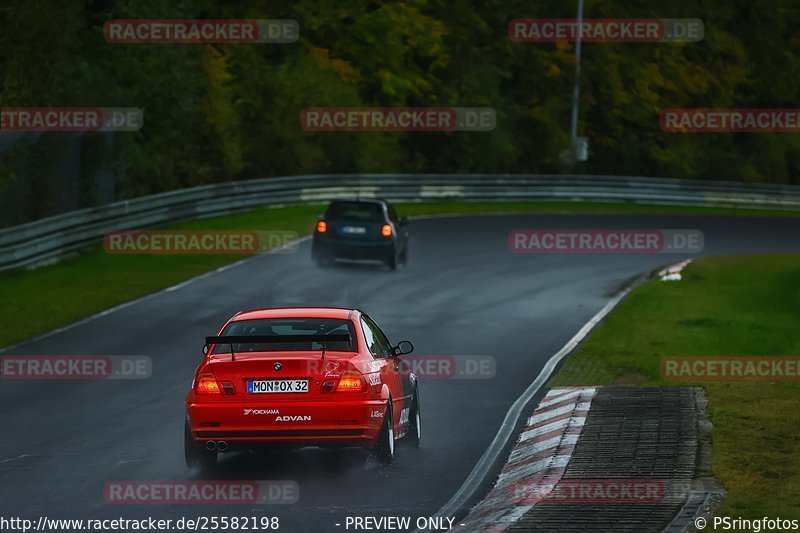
(50, 239)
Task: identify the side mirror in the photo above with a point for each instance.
(403, 221)
(403, 347)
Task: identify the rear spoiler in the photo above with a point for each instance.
(265, 339)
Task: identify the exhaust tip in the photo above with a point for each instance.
(211, 445)
(222, 446)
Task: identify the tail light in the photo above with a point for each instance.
(322, 226)
(386, 230)
(352, 382)
(206, 384)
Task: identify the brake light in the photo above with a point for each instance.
(352, 382)
(322, 226)
(386, 230)
(206, 384)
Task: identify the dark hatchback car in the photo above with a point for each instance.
(361, 229)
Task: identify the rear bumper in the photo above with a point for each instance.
(295, 423)
(347, 249)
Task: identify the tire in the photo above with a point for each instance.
(391, 260)
(322, 259)
(415, 427)
(316, 255)
(404, 257)
(383, 450)
(196, 456)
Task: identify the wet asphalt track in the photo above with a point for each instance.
(463, 293)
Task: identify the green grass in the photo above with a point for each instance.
(728, 306)
(49, 297)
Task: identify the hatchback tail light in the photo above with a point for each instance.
(386, 230)
(322, 226)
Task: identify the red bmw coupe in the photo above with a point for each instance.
(300, 377)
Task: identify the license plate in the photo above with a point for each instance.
(266, 386)
(354, 230)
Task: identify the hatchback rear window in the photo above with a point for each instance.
(285, 327)
(356, 210)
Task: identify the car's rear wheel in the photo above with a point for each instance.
(320, 257)
(415, 427)
(195, 454)
(383, 450)
(391, 259)
(404, 256)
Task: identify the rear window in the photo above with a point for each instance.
(356, 210)
(283, 327)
